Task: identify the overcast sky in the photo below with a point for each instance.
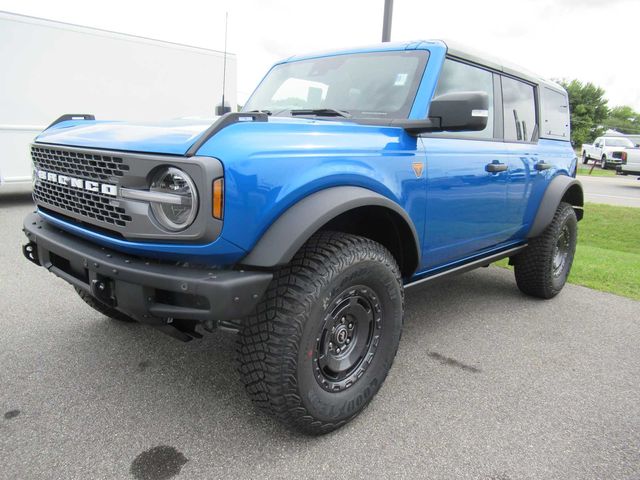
(591, 40)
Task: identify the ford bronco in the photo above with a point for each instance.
(298, 222)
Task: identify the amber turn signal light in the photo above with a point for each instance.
(217, 208)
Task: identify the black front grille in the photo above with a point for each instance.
(84, 186)
(79, 164)
(85, 204)
(617, 155)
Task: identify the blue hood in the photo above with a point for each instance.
(173, 138)
(177, 136)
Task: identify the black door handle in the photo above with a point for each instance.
(543, 166)
(495, 167)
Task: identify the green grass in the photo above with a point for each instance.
(597, 171)
(608, 253)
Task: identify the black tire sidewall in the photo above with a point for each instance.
(340, 406)
(568, 218)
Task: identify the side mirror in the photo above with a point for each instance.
(597, 145)
(452, 112)
(461, 111)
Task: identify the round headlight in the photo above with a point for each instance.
(177, 200)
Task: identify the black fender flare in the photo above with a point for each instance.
(296, 225)
(560, 187)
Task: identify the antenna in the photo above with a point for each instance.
(222, 109)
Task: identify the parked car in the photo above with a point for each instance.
(632, 163)
(607, 150)
(299, 222)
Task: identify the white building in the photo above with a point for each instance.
(51, 68)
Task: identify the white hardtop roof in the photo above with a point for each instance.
(454, 49)
(468, 53)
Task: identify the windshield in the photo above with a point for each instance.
(618, 142)
(372, 85)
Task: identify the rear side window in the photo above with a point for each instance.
(518, 100)
(555, 114)
(461, 77)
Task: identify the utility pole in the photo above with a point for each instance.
(386, 21)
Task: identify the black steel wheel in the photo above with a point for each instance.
(323, 339)
(562, 251)
(348, 339)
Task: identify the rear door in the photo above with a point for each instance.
(465, 202)
(521, 141)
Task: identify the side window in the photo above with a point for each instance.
(518, 100)
(555, 113)
(461, 77)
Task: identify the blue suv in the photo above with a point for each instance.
(298, 222)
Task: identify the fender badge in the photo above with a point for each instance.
(417, 168)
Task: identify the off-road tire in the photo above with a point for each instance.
(603, 162)
(277, 345)
(102, 308)
(534, 267)
(585, 158)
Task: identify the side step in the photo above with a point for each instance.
(465, 267)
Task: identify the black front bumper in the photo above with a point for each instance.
(145, 289)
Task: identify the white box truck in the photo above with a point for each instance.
(51, 68)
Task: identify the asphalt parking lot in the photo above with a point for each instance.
(487, 384)
(619, 190)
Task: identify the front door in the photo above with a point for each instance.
(466, 199)
(467, 177)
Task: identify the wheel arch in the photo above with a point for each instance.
(561, 189)
(349, 209)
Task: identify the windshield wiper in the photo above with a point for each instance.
(321, 112)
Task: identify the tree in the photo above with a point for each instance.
(623, 119)
(588, 110)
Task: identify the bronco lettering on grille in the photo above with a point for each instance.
(78, 183)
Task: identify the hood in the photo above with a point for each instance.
(173, 137)
(177, 136)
